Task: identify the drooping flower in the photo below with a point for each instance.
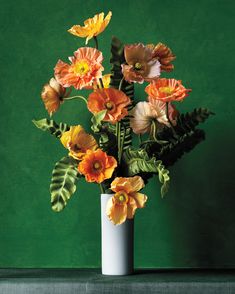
(141, 66)
(85, 68)
(92, 26)
(161, 109)
(126, 199)
(164, 56)
(52, 95)
(167, 90)
(77, 141)
(112, 100)
(145, 113)
(97, 166)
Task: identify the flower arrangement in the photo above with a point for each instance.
(110, 157)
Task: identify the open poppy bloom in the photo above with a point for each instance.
(52, 95)
(97, 166)
(85, 68)
(167, 90)
(92, 26)
(145, 113)
(112, 100)
(141, 66)
(77, 141)
(164, 56)
(126, 199)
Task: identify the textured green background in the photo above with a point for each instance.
(194, 225)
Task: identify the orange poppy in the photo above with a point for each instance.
(110, 99)
(52, 95)
(84, 69)
(92, 26)
(164, 56)
(97, 166)
(77, 141)
(167, 90)
(126, 199)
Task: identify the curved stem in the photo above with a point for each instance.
(167, 114)
(76, 97)
(120, 84)
(96, 42)
(101, 189)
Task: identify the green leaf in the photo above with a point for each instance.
(96, 121)
(172, 151)
(63, 181)
(187, 122)
(163, 175)
(138, 161)
(117, 59)
(51, 126)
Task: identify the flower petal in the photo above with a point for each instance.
(116, 213)
(140, 199)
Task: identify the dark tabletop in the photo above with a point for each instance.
(71, 281)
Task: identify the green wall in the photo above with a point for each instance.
(194, 225)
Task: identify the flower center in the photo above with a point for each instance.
(166, 90)
(121, 197)
(109, 105)
(138, 66)
(81, 67)
(97, 165)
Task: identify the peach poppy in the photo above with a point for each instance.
(77, 141)
(52, 95)
(167, 90)
(85, 68)
(126, 199)
(141, 66)
(97, 166)
(92, 26)
(164, 56)
(144, 113)
(112, 100)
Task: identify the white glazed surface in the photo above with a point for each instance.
(117, 243)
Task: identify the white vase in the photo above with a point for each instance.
(117, 243)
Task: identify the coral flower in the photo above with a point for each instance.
(92, 26)
(167, 90)
(85, 68)
(112, 100)
(52, 96)
(141, 66)
(164, 56)
(77, 141)
(126, 199)
(144, 113)
(97, 166)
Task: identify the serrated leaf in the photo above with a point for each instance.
(50, 125)
(138, 161)
(96, 120)
(117, 59)
(63, 181)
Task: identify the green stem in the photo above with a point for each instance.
(101, 189)
(96, 42)
(120, 84)
(76, 97)
(118, 136)
(167, 114)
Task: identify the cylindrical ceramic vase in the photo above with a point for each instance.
(117, 243)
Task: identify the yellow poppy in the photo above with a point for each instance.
(126, 199)
(77, 141)
(92, 26)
